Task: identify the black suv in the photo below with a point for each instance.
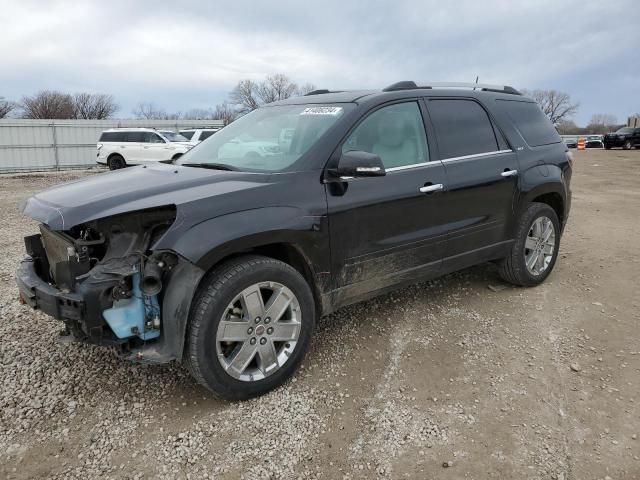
(225, 259)
(625, 137)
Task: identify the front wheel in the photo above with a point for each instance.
(628, 145)
(535, 249)
(250, 327)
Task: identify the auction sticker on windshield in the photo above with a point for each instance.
(321, 111)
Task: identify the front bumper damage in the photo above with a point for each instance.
(132, 299)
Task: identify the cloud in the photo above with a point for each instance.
(189, 54)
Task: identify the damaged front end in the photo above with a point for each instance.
(103, 279)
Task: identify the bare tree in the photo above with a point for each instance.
(94, 106)
(150, 111)
(602, 123)
(568, 127)
(5, 107)
(48, 104)
(225, 112)
(198, 114)
(244, 96)
(306, 88)
(276, 87)
(556, 105)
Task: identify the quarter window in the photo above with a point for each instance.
(531, 122)
(462, 128)
(395, 133)
(187, 134)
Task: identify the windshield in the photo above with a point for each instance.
(268, 139)
(625, 130)
(174, 137)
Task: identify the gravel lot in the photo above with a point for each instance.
(446, 379)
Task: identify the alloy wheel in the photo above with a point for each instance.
(539, 246)
(258, 331)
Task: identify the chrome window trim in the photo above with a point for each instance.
(413, 165)
(475, 155)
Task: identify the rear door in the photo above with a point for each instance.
(134, 147)
(482, 172)
(387, 230)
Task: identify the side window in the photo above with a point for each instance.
(187, 134)
(531, 122)
(206, 134)
(395, 133)
(462, 128)
(135, 137)
(109, 137)
(150, 137)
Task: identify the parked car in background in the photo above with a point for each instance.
(571, 142)
(120, 147)
(625, 137)
(197, 135)
(593, 141)
(225, 260)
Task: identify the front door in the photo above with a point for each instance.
(155, 148)
(387, 230)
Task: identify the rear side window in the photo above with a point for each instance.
(533, 125)
(205, 135)
(462, 128)
(187, 135)
(135, 137)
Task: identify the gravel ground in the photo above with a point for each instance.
(462, 377)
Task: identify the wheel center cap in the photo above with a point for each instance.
(259, 329)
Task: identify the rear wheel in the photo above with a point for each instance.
(250, 327)
(607, 147)
(116, 162)
(535, 249)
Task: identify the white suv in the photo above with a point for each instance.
(197, 135)
(119, 147)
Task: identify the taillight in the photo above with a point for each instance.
(99, 146)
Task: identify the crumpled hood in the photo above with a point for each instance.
(130, 189)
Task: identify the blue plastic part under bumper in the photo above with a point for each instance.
(128, 317)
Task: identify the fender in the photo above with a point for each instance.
(540, 180)
(208, 242)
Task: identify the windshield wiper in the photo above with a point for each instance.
(212, 166)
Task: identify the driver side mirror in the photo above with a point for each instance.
(357, 163)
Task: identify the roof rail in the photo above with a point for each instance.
(409, 85)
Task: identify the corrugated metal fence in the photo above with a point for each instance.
(29, 145)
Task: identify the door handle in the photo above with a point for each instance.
(509, 173)
(431, 188)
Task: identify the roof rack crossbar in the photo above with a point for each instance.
(408, 85)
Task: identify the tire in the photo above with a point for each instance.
(514, 268)
(116, 162)
(217, 364)
(628, 145)
(607, 147)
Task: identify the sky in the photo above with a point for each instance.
(189, 54)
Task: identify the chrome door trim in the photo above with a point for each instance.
(475, 155)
